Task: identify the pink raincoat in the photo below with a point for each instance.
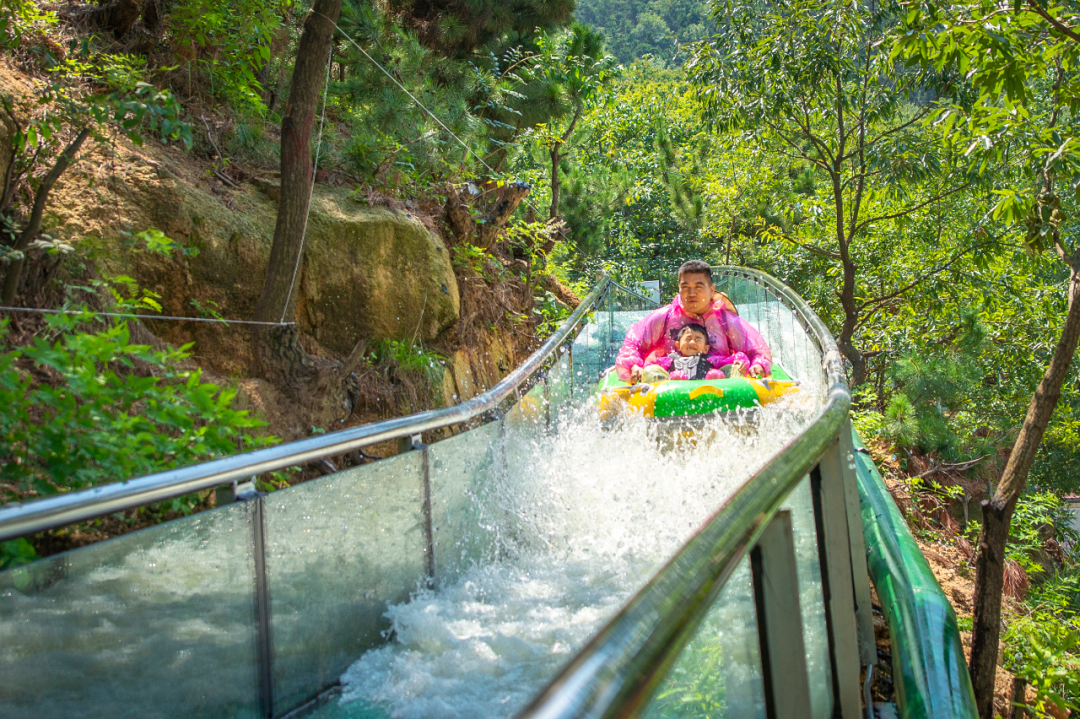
(731, 339)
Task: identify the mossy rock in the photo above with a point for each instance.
(376, 272)
(368, 272)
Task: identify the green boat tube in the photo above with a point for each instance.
(680, 398)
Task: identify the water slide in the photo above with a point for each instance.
(519, 557)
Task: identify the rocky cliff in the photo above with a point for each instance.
(371, 272)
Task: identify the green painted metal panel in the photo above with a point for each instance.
(929, 671)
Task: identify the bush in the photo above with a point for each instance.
(1044, 649)
(1044, 646)
(87, 407)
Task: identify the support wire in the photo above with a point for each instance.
(421, 105)
(213, 320)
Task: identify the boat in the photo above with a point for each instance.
(687, 398)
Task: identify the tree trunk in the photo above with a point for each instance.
(847, 329)
(997, 511)
(277, 350)
(276, 303)
(1019, 697)
(554, 182)
(33, 226)
(118, 16)
(510, 196)
(151, 16)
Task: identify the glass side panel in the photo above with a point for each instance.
(790, 344)
(531, 410)
(158, 623)
(338, 550)
(585, 367)
(811, 599)
(559, 384)
(597, 345)
(461, 470)
(718, 674)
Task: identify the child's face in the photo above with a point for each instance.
(692, 343)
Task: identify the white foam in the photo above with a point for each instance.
(591, 514)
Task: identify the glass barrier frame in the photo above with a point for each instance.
(617, 673)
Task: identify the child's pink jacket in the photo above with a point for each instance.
(731, 339)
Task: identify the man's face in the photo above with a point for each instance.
(696, 291)
(692, 343)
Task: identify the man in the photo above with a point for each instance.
(733, 343)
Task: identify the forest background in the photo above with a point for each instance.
(648, 133)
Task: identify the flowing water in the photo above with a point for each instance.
(587, 516)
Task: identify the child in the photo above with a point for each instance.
(689, 361)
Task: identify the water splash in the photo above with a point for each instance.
(588, 516)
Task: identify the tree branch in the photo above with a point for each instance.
(870, 143)
(860, 176)
(33, 226)
(865, 223)
(923, 278)
(813, 248)
(351, 362)
(1054, 22)
(798, 150)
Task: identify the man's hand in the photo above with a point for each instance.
(738, 369)
(635, 374)
(757, 370)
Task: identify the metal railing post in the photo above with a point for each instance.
(414, 443)
(845, 581)
(264, 638)
(779, 620)
(570, 366)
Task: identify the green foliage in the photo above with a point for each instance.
(15, 552)
(1044, 649)
(614, 199)
(658, 28)
(208, 309)
(591, 196)
(551, 311)
(132, 104)
(1058, 594)
(127, 295)
(1057, 465)
(1019, 100)
(459, 28)
(686, 202)
(1043, 646)
(932, 387)
(485, 94)
(470, 257)
(229, 42)
(901, 425)
(155, 241)
(1038, 517)
(83, 408)
(19, 17)
(411, 359)
(696, 686)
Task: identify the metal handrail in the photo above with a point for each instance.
(618, 671)
(20, 519)
(635, 293)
